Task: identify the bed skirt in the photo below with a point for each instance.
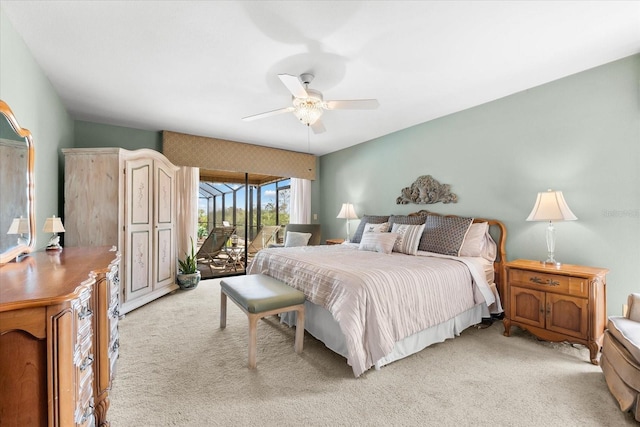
(320, 323)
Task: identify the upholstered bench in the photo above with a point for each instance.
(258, 296)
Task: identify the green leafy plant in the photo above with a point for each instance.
(189, 264)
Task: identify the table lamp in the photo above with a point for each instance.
(20, 226)
(53, 225)
(347, 212)
(551, 206)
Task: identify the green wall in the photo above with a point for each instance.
(580, 135)
(93, 135)
(38, 108)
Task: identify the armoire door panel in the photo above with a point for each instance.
(165, 259)
(140, 253)
(165, 196)
(139, 194)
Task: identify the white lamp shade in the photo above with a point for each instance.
(19, 226)
(551, 206)
(53, 225)
(347, 212)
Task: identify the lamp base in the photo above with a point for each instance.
(551, 261)
(55, 248)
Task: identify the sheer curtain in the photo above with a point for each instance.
(300, 201)
(187, 184)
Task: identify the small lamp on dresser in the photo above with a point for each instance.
(551, 206)
(53, 225)
(20, 226)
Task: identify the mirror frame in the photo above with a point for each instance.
(18, 250)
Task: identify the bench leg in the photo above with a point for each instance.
(253, 339)
(223, 310)
(299, 330)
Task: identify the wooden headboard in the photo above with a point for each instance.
(499, 234)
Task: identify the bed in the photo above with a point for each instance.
(404, 282)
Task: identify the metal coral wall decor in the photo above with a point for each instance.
(426, 190)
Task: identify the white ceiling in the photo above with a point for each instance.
(198, 67)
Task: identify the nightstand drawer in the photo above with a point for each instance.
(576, 286)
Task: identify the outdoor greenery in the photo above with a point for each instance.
(267, 215)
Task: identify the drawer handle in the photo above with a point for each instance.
(540, 281)
(85, 312)
(86, 415)
(88, 361)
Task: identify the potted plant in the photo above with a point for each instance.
(189, 275)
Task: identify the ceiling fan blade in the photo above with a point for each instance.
(294, 85)
(318, 127)
(268, 114)
(352, 104)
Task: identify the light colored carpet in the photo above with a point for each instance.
(177, 368)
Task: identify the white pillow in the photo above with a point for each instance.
(378, 242)
(376, 228)
(408, 238)
(479, 243)
(474, 240)
(296, 239)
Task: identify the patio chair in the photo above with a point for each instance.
(213, 246)
(265, 235)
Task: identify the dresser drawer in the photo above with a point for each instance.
(84, 362)
(84, 358)
(558, 283)
(84, 316)
(114, 283)
(85, 416)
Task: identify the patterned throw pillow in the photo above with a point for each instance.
(368, 219)
(376, 228)
(406, 219)
(408, 238)
(378, 242)
(444, 235)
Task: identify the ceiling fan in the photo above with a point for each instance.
(308, 104)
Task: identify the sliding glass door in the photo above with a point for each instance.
(235, 220)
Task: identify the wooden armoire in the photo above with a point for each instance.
(125, 198)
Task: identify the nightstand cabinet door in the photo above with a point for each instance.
(527, 306)
(567, 315)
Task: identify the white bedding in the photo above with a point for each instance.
(378, 299)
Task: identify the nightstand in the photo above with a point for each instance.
(334, 241)
(557, 303)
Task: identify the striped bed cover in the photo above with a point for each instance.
(377, 299)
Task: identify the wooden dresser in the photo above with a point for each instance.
(557, 303)
(58, 337)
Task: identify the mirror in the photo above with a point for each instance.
(17, 216)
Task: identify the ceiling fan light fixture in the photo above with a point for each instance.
(307, 110)
(308, 104)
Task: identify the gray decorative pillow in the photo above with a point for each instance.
(406, 219)
(408, 238)
(367, 219)
(444, 235)
(294, 239)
